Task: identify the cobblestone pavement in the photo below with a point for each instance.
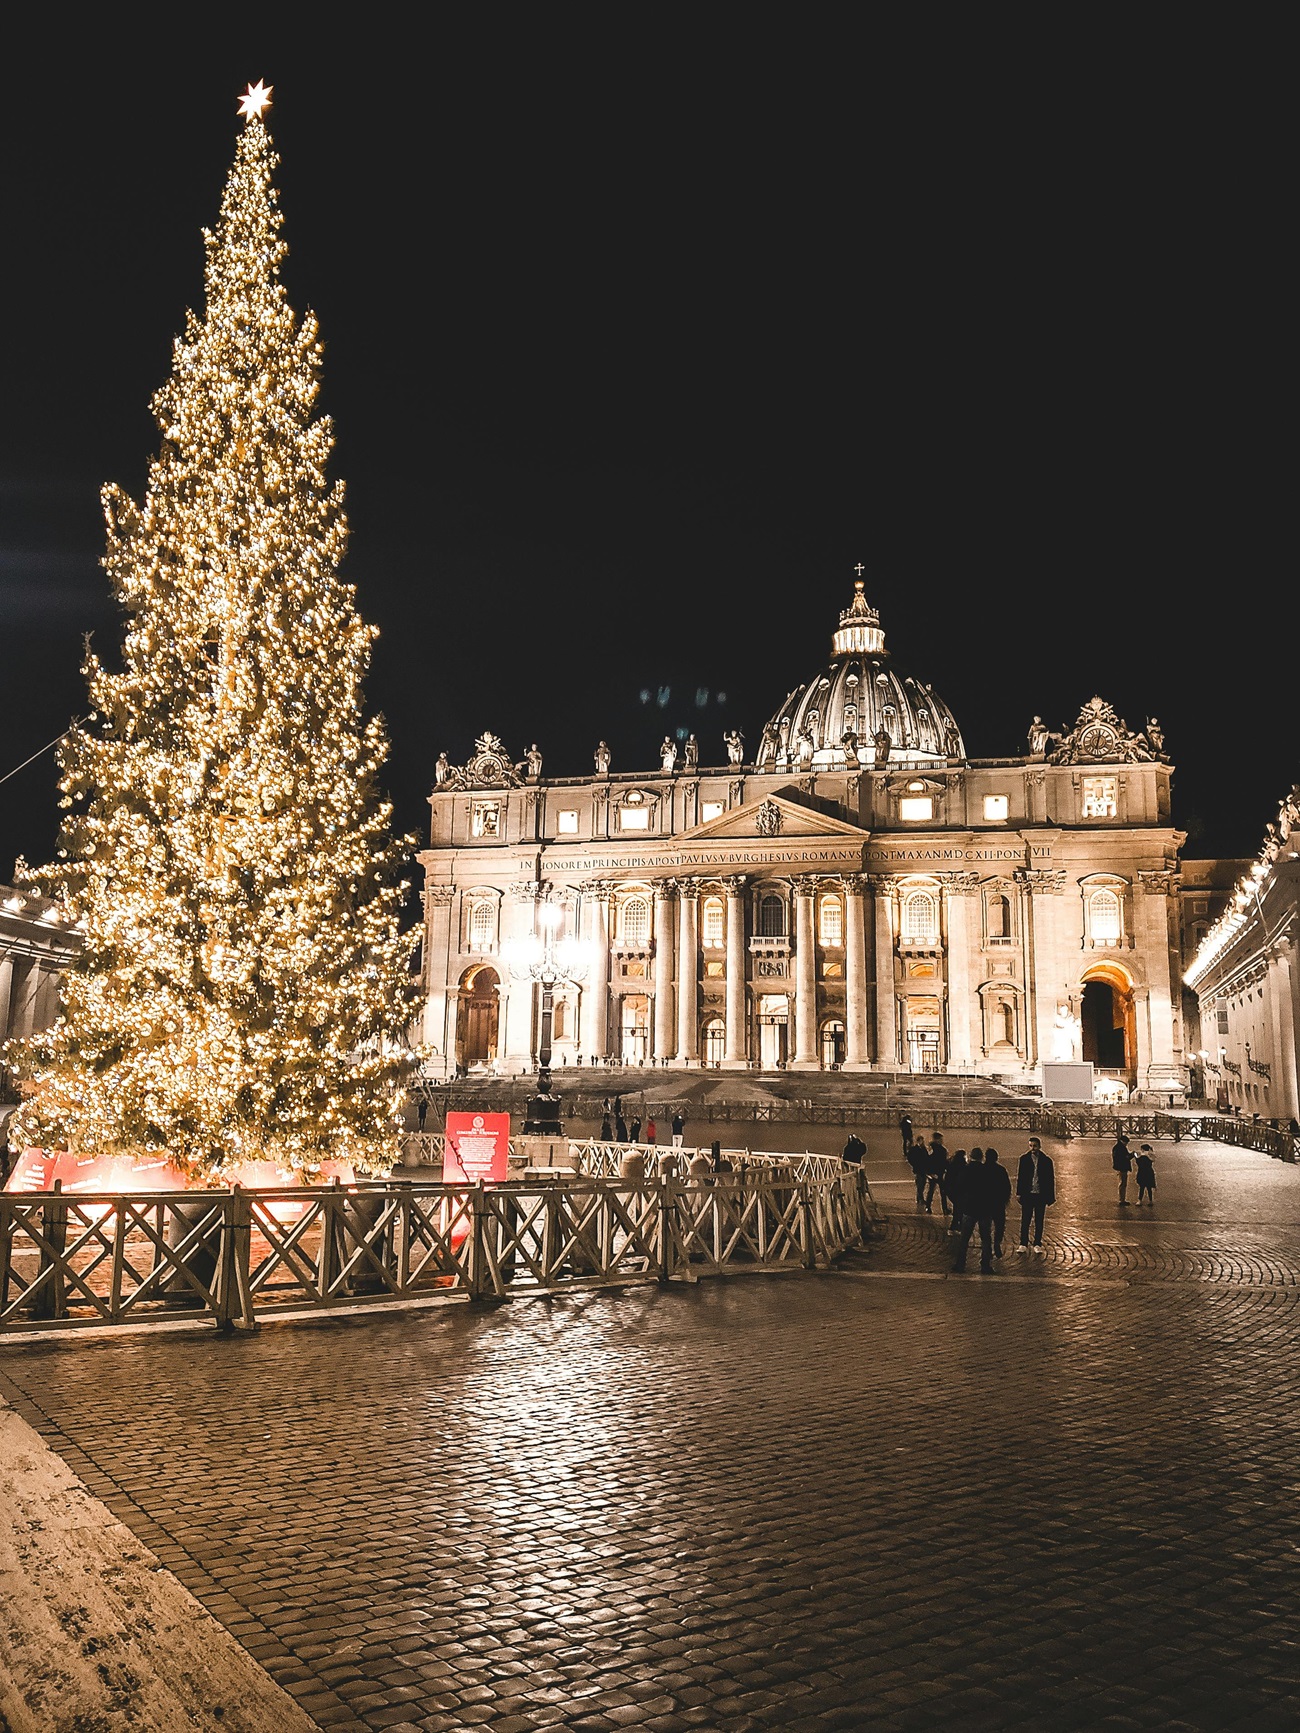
(887, 1498)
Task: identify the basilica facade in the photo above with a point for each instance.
(861, 894)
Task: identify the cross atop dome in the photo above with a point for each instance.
(859, 631)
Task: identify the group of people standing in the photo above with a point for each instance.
(615, 1128)
(975, 1191)
(1123, 1160)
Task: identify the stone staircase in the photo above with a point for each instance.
(923, 1096)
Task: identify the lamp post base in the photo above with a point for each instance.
(544, 1117)
(544, 1109)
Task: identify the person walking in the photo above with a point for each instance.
(651, 1132)
(998, 1182)
(1146, 1176)
(679, 1130)
(955, 1179)
(1036, 1189)
(634, 1131)
(854, 1150)
(421, 1114)
(905, 1132)
(1121, 1159)
(936, 1169)
(606, 1129)
(620, 1125)
(918, 1159)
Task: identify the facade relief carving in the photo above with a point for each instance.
(1099, 736)
(1162, 883)
(1045, 881)
(489, 766)
(960, 884)
(768, 819)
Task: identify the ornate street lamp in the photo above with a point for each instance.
(550, 963)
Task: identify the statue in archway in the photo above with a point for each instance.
(1065, 1034)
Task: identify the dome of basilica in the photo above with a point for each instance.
(860, 711)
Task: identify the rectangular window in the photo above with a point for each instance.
(915, 807)
(568, 824)
(995, 806)
(711, 809)
(485, 818)
(634, 818)
(1099, 797)
(831, 921)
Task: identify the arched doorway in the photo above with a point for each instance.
(634, 1028)
(832, 1045)
(477, 1011)
(1109, 1020)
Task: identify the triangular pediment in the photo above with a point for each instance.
(773, 819)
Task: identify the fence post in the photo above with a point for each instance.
(331, 1247)
(806, 1226)
(50, 1300)
(233, 1296)
(478, 1276)
(6, 1243)
(665, 1231)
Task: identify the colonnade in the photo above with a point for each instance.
(960, 997)
(29, 995)
(678, 958)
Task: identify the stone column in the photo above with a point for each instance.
(1152, 931)
(6, 993)
(1282, 987)
(47, 997)
(1046, 969)
(22, 1004)
(665, 1025)
(736, 1056)
(805, 977)
(595, 992)
(435, 1031)
(688, 971)
(886, 990)
(959, 888)
(856, 1054)
(516, 1038)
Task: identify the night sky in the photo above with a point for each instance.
(644, 327)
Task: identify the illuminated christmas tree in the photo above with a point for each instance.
(245, 980)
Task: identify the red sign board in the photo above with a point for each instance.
(478, 1147)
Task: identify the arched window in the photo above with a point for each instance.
(560, 1020)
(1007, 1021)
(771, 917)
(830, 920)
(999, 918)
(483, 925)
(715, 923)
(1105, 917)
(634, 921)
(920, 917)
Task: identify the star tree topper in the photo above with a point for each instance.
(255, 99)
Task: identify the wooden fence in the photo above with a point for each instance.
(234, 1256)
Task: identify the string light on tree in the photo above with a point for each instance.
(245, 977)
